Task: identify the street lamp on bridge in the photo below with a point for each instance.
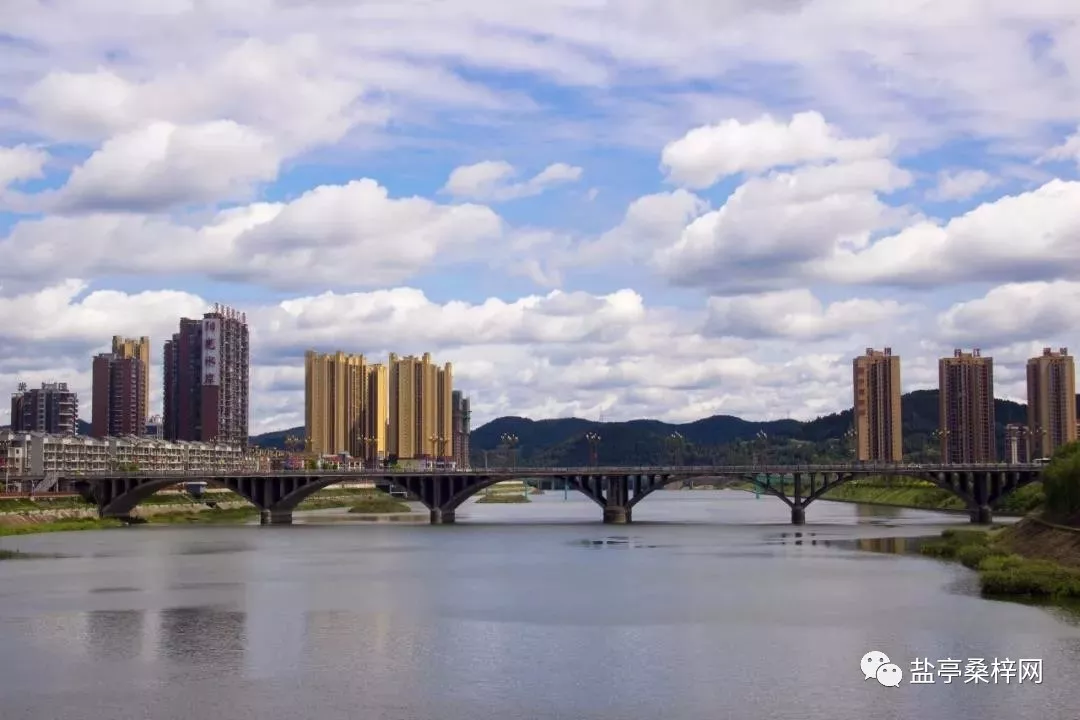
(438, 444)
(942, 439)
(849, 441)
(593, 439)
(677, 442)
(510, 441)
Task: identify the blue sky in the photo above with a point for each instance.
(650, 209)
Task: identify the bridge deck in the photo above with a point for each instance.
(620, 470)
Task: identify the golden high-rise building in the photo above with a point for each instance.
(345, 405)
(421, 408)
(878, 433)
(124, 348)
(1051, 389)
(966, 406)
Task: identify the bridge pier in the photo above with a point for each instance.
(442, 517)
(616, 515)
(798, 515)
(275, 517)
(982, 515)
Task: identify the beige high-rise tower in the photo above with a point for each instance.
(1051, 389)
(421, 408)
(345, 405)
(124, 348)
(878, 433)
(966, 396)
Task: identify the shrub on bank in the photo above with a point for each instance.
(1017, 575)
(1002, 573)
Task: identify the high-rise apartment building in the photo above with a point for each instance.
(1051, 390)
(421, 415)
(119, 396)
(139, 349)
(461, 421)
(207, 379)
(966, 396)
(52, 408)
(346, 405)
(878, 434)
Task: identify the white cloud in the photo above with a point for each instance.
(650, 222)
(1031, 236)
(351, 235)
(292, 91)
(21, 162)
(491, 180)
(798, 315)
(161, 164)
(962, 184)
(1068, 150)
(708, 154)
(1015, 313)
(771, 226)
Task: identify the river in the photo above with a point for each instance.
(709, 606)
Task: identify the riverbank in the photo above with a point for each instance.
(1030, 559)
(23, 516)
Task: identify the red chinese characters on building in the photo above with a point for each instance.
(211, 361)
(211, 344)
(209, 379)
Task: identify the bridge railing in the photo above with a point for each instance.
(862, 468)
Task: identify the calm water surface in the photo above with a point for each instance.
(708, 606)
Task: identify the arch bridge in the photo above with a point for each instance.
(617, 489)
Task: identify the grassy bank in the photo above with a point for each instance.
(922, 495)
(1004, 572)
(64, 525)
(380, 504)
(37, 515)
(506, 498)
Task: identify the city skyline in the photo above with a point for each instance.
(595, 210)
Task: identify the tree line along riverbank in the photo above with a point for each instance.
(23, 515)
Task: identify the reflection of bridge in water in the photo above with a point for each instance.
(617, 490)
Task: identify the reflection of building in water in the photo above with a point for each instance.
(115, 633)
(892, 545)
(191, 634)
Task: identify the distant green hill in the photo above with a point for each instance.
(720, 438)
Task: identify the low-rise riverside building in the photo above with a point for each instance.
(32, 453)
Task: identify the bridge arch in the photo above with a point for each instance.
(120, 500)
(483, 482)
(664, 481)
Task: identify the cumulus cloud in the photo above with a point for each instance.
(798, 315)
(771, 226)
(708, 154)
(161, 165)
(352, 235)
(492, 180)
(1015, 313)
(21, 162)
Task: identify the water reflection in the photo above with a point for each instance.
(115, 634)
(206, 634)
